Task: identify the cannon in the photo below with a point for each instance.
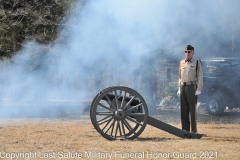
(121, 113)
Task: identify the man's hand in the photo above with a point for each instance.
(197, 93)
(178, 93)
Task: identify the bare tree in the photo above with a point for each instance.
(33, 19)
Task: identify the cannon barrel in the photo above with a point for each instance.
(111, 96)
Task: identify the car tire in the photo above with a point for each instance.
(215, 106)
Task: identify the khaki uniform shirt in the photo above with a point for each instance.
(187, 72)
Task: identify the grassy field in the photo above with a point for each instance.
(77, 139)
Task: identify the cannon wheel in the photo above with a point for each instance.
(91, 115)
(117, 118)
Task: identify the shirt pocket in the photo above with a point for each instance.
(192, 72)
(192, 68)
(183, 70)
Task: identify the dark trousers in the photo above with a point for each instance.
(188, 101)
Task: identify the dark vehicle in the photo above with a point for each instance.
(221, 84)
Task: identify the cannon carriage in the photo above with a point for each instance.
(121, 113)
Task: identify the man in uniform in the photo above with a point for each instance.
(190, 85)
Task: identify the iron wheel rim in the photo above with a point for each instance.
(119, 119)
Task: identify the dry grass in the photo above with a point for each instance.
(49, 136)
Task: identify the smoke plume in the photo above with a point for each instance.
(103, 42)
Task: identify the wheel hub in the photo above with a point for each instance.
(120, 114)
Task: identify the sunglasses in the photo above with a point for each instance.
(188, 51)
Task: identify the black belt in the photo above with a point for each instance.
(187, 83)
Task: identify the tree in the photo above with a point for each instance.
(33, 19)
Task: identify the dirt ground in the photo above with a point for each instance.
(73, 137)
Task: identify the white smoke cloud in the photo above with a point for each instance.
(104, 42)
